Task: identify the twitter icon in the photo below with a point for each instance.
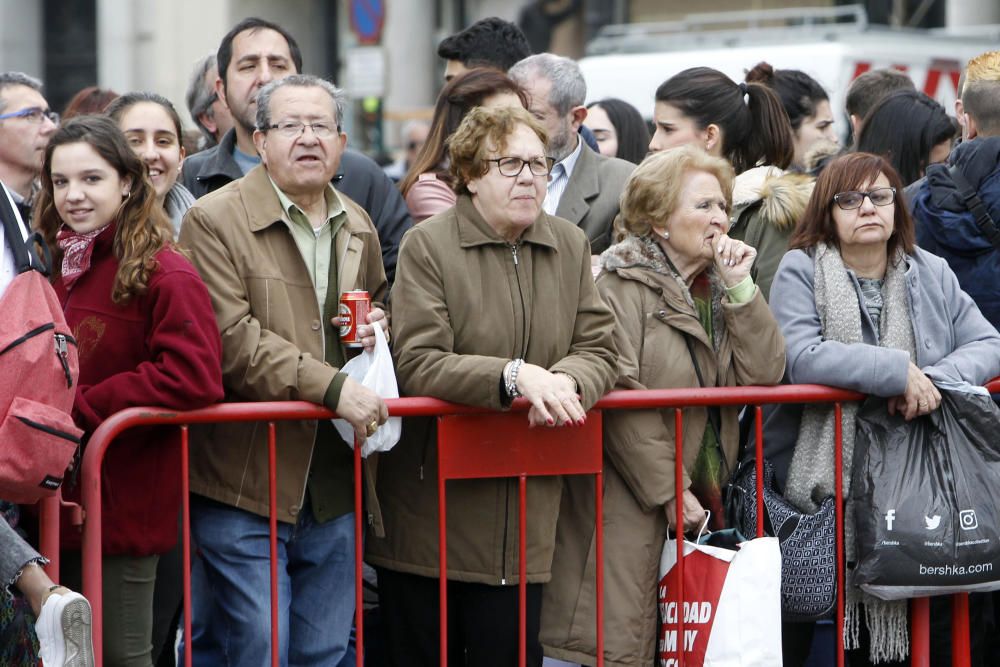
(932, 521)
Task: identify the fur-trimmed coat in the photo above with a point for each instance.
(767, 204)
(654, 315)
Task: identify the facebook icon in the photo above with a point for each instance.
(890, 516)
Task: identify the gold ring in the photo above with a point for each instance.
(372, 426)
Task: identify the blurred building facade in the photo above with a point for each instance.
(385, 58)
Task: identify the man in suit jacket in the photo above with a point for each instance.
(584, 186)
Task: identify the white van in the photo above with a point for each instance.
(833, 45)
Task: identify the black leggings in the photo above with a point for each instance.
(482, 622)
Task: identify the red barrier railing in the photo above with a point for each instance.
(282, 411)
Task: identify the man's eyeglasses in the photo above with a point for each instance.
(853, 199)
(513, 166)
(295, 128)
(33, 115)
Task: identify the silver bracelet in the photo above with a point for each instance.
(510, 372)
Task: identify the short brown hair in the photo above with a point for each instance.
(652, 193)
(981, 100)
(850, 172)
(866, 90)
(482, 131)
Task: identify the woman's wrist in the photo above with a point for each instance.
(742, 291)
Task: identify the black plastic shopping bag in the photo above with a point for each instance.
(926, 498)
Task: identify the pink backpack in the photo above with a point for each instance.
(38, 373)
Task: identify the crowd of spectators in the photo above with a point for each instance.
(536, 246)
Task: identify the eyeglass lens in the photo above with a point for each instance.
(878, 197)
(513, 166)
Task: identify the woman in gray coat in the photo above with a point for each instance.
(861, 307)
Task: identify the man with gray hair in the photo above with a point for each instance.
(209, 113)
(585, 186)
(276, 249)
(26, 125)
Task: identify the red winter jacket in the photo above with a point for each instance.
(159, 349)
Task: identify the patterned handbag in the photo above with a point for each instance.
(18, 642)
(808, 543)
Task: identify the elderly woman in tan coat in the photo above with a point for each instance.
(688, 314)
(493, 299)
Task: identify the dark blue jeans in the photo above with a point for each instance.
(231, 588)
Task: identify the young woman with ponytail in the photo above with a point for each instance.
(746, 124)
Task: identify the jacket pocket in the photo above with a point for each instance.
(39, 442)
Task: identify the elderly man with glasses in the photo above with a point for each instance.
(26, 124)
(277, 248)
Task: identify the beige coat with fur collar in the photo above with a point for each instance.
(654, 313)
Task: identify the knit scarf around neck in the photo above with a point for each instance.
(77, 249)
(811, 474)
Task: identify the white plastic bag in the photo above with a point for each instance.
(373, 369)
(732, 608)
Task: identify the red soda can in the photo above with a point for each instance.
(353, 311)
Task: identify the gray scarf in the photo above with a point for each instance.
(811, 474)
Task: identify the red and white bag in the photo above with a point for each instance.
(732, 605)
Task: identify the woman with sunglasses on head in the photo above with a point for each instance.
(854, 286)
(146, 335)
(153, 130)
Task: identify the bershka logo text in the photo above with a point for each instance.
(954, 570)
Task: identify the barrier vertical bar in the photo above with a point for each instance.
(359, 545)
(186, 540)
(961, 648)
(272, 465)
(522, 571)
(443, 558)
(48, 532)
(758, 418)
(679, 528)
(838, 477)
(920, 638)
(599, 510)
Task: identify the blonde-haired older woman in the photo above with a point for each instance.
(687, 314)
(493, 299)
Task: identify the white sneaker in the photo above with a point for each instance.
(63, 630)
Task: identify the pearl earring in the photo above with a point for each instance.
(663, 235)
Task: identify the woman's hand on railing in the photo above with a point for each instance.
(552, 396)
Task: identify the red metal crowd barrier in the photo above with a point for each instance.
(530, 464)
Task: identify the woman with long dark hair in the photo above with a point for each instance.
(146, 335)
(619, 129)
(746, 124)
(910, 130)
(427, 186)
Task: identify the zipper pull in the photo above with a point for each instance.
(62, 351)
(513, 251)
(421, 472)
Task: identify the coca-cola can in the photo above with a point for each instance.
(353, 311)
